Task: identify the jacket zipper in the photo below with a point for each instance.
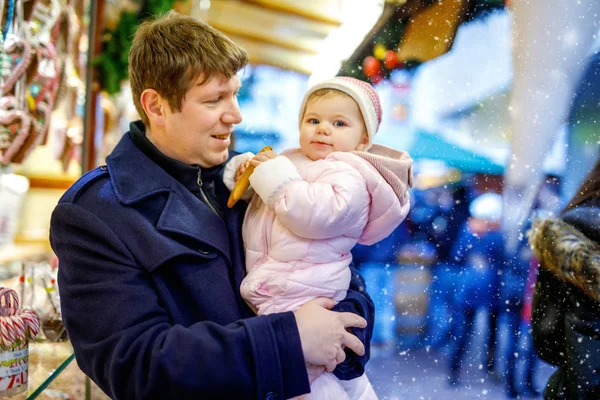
(204, 196)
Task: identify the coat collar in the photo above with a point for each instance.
(124, 165)
(184, 173)
(183, 212)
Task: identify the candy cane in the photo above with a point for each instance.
(9, 302)
(16, 327)
(31, 321)
(8, 334)
(19, 326)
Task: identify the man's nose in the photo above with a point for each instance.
(233, 115)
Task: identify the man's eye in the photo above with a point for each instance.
(215, 101)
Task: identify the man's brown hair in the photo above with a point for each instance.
(170, 52)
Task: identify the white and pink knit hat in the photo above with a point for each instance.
(363, 93)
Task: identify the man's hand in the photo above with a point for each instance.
(262, 157)
(323, 333)
(314, 371)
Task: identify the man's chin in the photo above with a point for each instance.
(213, 160)
(220, 158)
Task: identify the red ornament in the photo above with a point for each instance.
(371, 66)
(391, 59)
(375, 79)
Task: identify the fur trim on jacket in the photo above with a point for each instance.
(568, 254)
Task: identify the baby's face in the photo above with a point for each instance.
(332, 122)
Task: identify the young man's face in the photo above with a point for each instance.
(332, 122)
(201, 132)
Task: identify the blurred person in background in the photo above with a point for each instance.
(547, 204)
(511, 305)
(444, 228)
(566, 301)
(477, 255)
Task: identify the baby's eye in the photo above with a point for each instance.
(313, 121)
(339, 124)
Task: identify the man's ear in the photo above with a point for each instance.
(153, 105)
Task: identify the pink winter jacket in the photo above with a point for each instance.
(307, 215)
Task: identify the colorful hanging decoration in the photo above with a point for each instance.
(381, 57)
(379, 51)
(414, 33)
(371, 66)
(391, 59)
(32, 71)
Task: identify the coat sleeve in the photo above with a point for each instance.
(124, 341)
(334, 203)
(359, 302)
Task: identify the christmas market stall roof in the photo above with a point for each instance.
(430, 146)
(301, 36)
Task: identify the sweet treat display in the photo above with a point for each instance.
(17, 328)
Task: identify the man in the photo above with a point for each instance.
(151, 258)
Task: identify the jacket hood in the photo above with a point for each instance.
(567, 253)
(394, 166)
(388, 174)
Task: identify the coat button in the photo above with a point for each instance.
(271, 396)
(204, 252)
(104, 168)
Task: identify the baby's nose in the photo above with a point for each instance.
(323, 128)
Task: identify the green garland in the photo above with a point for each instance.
(112, 64)
(389, 35)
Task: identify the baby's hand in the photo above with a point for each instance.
(262, 157)
(238, 173)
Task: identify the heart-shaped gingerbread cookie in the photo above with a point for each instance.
(15, 126)
(18, 56)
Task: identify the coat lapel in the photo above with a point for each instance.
(184, 214)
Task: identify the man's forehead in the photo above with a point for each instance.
(219, 82)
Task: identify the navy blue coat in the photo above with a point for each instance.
(149, 284)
